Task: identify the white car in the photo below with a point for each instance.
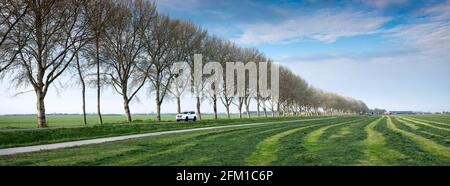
(186, 116)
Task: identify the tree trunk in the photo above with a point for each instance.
(215, 106)
(240, 110)
(273, 111)
(83, 95)
(100, 120)
(227, 107)
(257, 106)
(158, 105)
(198, 109)
(178, 104)
(42, 123)
(265, 112)
(278, 110)
(127, 110)
(248, 110)
(83, 89)
(126, 107)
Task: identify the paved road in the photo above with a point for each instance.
(17, 150)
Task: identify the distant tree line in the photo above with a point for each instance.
(128, 45)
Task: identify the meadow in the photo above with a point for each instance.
(29, 121)
(344, 140)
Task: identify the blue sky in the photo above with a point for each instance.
(392, 54)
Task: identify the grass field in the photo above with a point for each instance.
(32, 136)
(14, 122)
(350, 140)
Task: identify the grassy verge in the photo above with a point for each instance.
(13, 138)
(355, 140)
(53, 121)
(217, 147)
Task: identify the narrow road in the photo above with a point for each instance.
(35, 148)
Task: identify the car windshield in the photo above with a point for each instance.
(192, 113)
(184, 112)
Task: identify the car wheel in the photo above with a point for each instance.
(195, 118)
(186, 119)
(178, 120)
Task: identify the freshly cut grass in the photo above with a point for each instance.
(266, 151)
(434, 134)
(55, 121)
(377, 152)
(327, 150)
(350, 140)
(342, 132)
(437, 119)
(409, 124)
(427, 123)
(425, 144)
(15, 138)
(311, 141)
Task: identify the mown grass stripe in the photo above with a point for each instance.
(377, 153)
(144, 158)
(265, 152)
(424, 143)
(422, 123)
(409, 124)
(311, 140)
(342, 132)
(439, 136)
(94, 158)
(423, 129)
(253, 134)
(430, 121)
(180, 147)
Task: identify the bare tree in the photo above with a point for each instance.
(190, 42)
(125, 60)
(48, 32)
(97, 13)
(212, 48)
(194, 43)
(160, 43)
(180, 83)
(80, 69)
(228, 53)
(11, 12)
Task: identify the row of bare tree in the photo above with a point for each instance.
(128, 45)
(296, 97)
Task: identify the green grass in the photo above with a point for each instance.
(377, 152)
(14, 137)
(424, 143)
(350, 140)
(413, 154)
(18, 122)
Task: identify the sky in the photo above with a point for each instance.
(392, 54)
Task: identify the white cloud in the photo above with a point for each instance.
(410, 81)
(439, 12)
(383, 3)
(431, 34)
(429, 37)
(324, 25)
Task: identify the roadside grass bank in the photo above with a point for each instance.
(16, 138)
